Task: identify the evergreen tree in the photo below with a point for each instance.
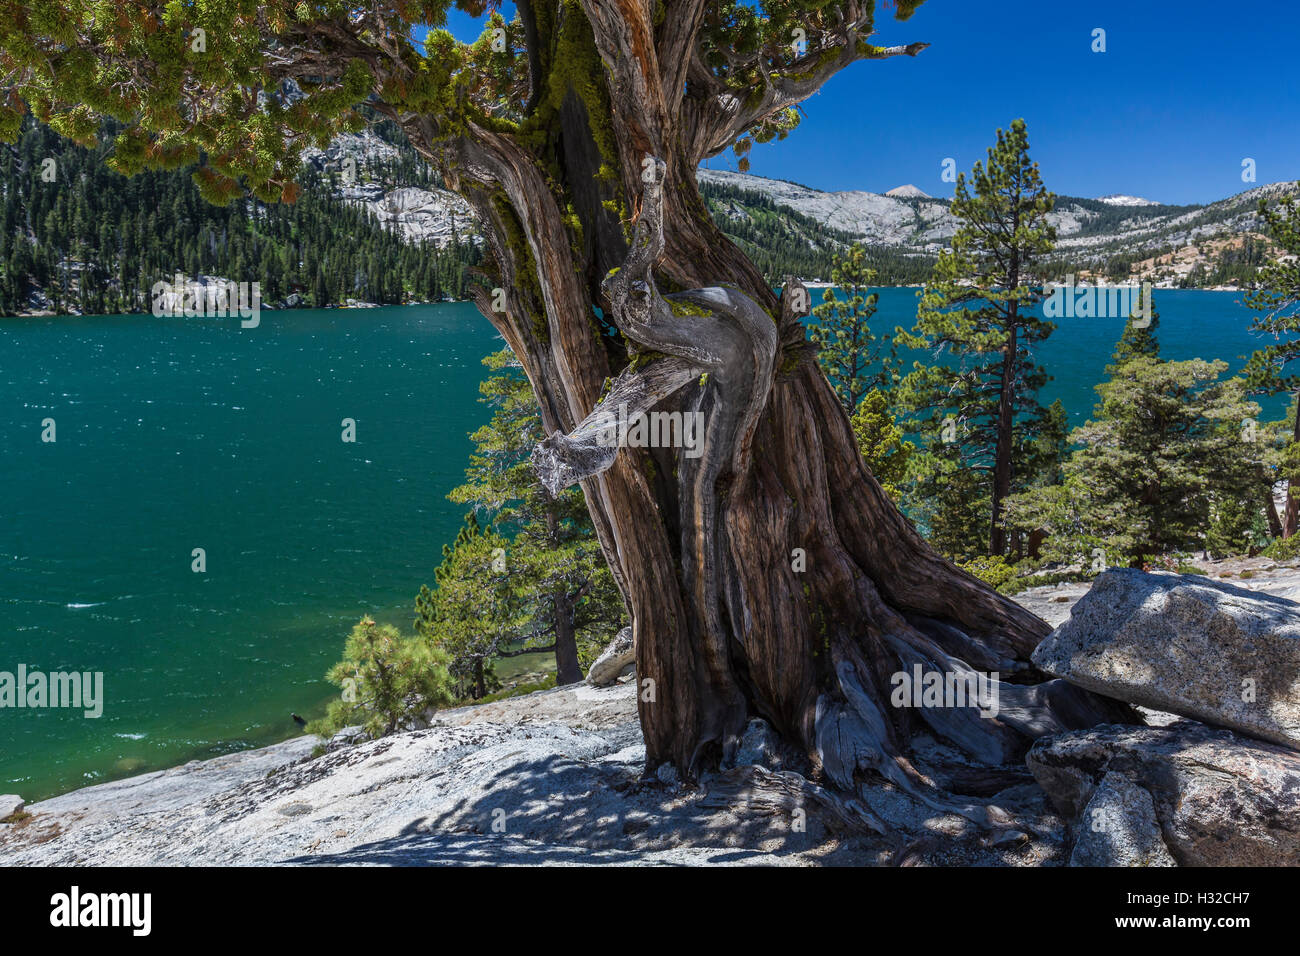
(567, 598)
(1237, 526)
(472, 614)
(1270, 370)
(881, 442)
(1163, 455)
(1044, 455)
(388, 680)
(849, 354)
(980, 409)
(1139, 338)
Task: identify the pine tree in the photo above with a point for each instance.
(472, 614)
(388, 681)
(1164, 453)
(849, 354)
(1270, 370)
(1041, 458)
(1166, 440)
(881, 442)
(1139, 338)
(1237, 526)
(568, 598)
(978, 310)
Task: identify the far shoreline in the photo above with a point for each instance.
(47, 314)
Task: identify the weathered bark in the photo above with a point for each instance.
(1006, 424)
(567, 669)
(727, 626)
(1270, 512)
(480, 680)
(1292, 519)
(812, 656)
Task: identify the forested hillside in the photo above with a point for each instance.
(78, 237)
(782, 241)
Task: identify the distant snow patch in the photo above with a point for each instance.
(1119, 199)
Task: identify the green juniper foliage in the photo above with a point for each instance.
(202, 80)
(977, 404)
(185, 81)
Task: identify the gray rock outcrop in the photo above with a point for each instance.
(556, 777)
(1118, 827)
(613, 660)
(423, 215)
(1185, 644)
(433, 215)
(1219, 799)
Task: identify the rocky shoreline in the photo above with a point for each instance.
(553, 777)
(547, 778)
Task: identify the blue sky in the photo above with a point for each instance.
(1184, 92)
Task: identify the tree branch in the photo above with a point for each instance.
(527, 650)
(723, 116)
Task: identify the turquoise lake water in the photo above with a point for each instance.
(176, 434)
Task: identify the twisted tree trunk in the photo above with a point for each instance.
(770, 576)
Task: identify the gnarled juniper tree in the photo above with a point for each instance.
(575, 131)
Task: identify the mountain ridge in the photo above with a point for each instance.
(53, 261)
(1096, 238)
